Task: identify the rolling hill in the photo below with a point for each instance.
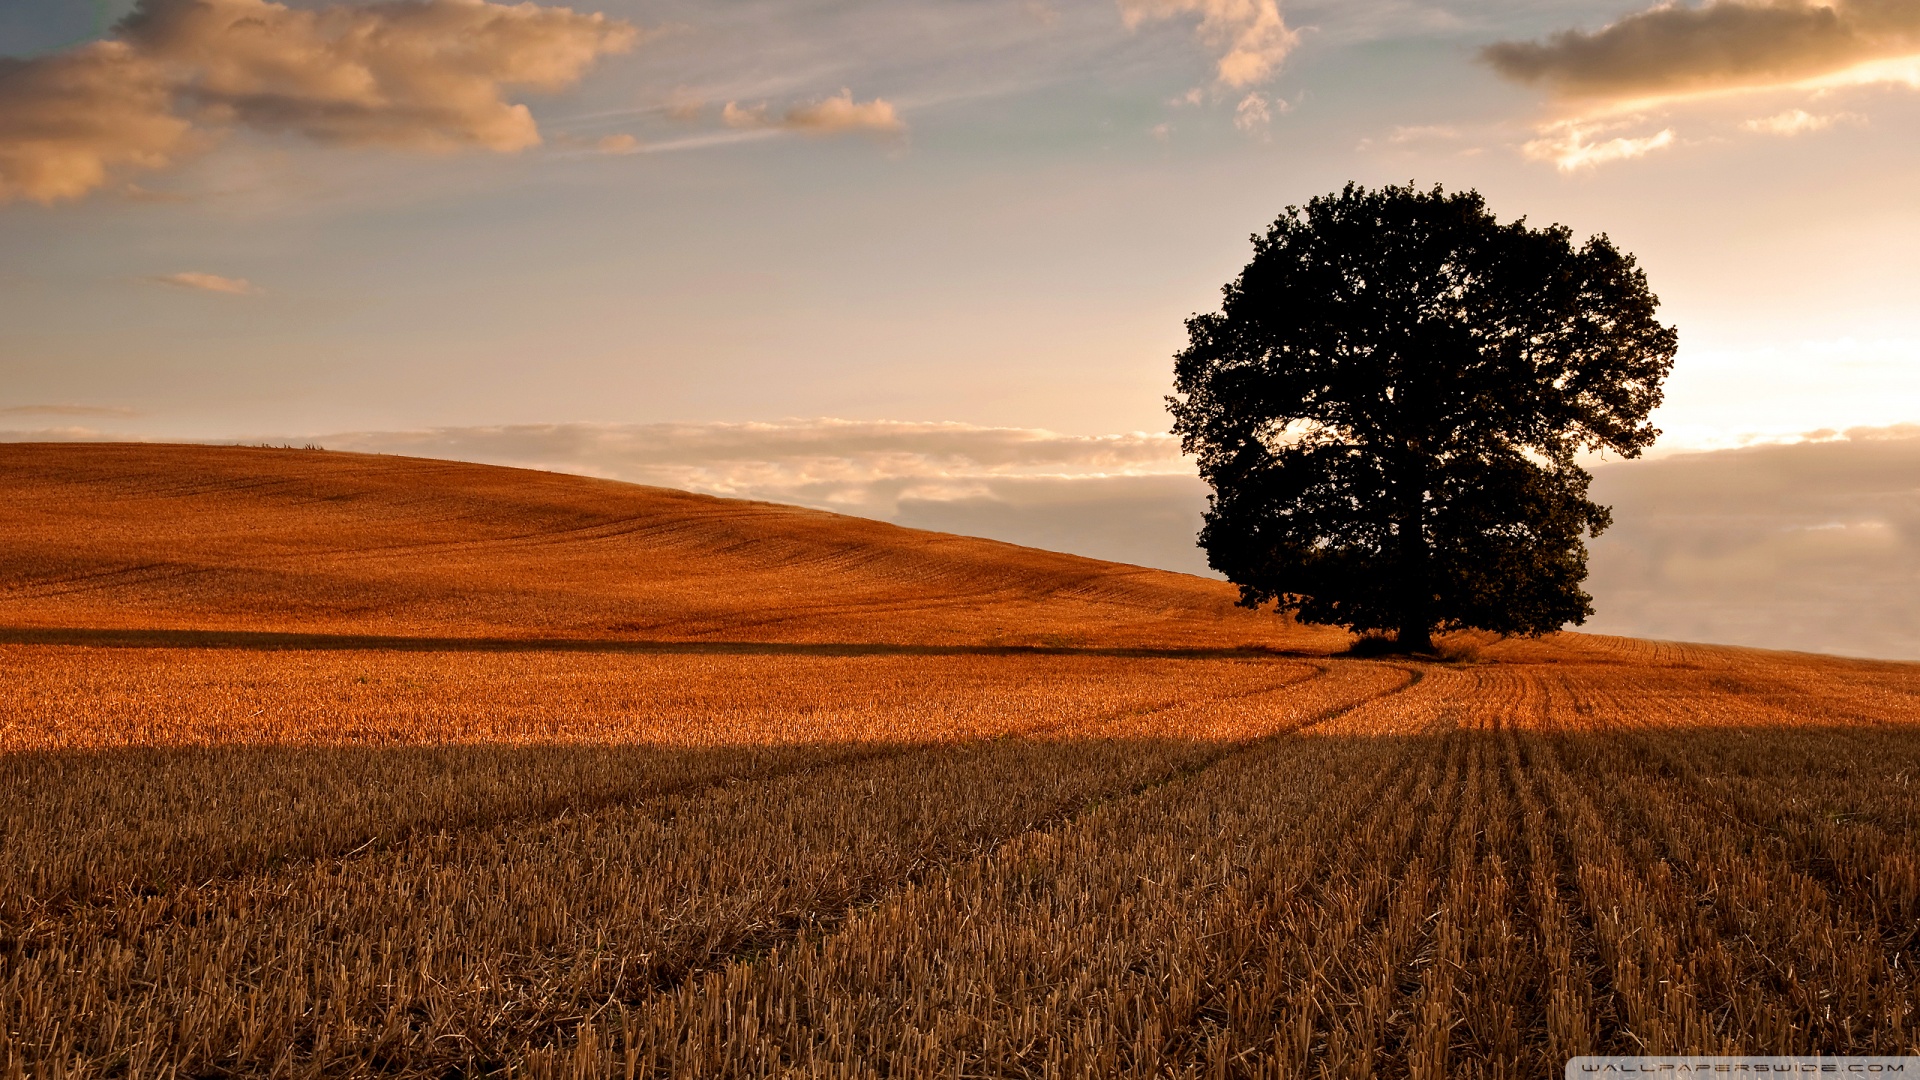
(303, 541)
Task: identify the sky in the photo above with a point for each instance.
(928, 260)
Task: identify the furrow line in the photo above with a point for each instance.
(586, 1035)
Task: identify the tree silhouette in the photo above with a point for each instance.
(1389, 405)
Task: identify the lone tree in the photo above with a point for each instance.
(1389, 405)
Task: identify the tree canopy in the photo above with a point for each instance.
(1390, 404)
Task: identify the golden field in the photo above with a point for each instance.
(335, 765)
(242, 539)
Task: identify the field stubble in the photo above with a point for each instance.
(1004, 866)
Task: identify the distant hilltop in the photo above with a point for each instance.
(295, 541)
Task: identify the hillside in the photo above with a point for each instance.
(257, 539)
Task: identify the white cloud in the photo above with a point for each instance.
(1572, 146)
(193, 279)
(1250, 36)
(1797, 122)
(423, 75)
(1253, 114)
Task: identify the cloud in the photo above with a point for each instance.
(1670, 50)
(842, 113)
(1250, 35)
(420, 75)
(1426, 139)
(1254, 113)
(192, 279)
(69, 119)
(1144, 520)
(685, 106)
(1796, 122)
(1571, 146)
(618, 144)
(831, 116)
(1811, 545)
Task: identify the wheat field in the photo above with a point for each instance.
(329, 765)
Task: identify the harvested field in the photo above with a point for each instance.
(905, 853)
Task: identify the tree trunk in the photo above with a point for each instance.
(1415, 637)
(1416, 604)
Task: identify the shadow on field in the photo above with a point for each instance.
(277, 640)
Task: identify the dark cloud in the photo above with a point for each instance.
(1672, 49)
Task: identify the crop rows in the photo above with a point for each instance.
(673, 879)
(1467, 896)
(506, 738)
(1033, 866)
